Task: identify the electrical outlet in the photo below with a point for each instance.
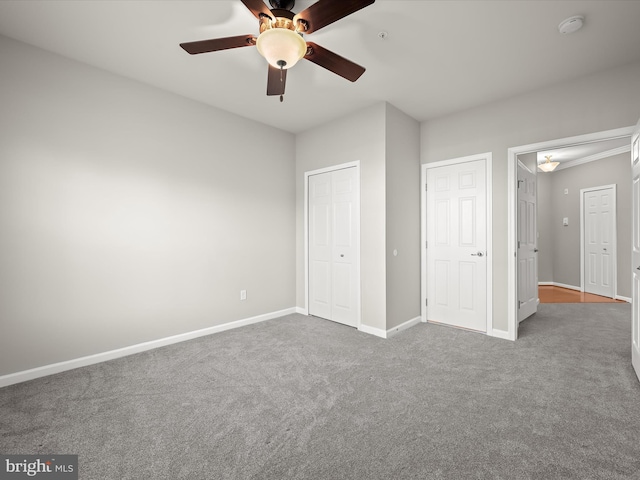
(243, 294)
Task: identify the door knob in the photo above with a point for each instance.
(479, 254)
(535, 250)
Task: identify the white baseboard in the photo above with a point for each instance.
(500, 334)
(302, 311)
(626, 299)
(403, 326)
(378, 332)
(45, 370)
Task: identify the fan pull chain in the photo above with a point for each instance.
(282, 63)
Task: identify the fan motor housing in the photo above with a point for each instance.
(283, 19)
(282, 4)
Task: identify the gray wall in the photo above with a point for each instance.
(387, 144)
(359, 136)
(129, 214)
(594, 103)
(403, 217)
(565, 241)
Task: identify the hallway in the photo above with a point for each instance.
(553, 294)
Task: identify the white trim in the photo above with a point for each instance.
(626, 299)
(546, 284)
(378, 332)
(570, 287)
(488, 159)
(302, 311)
(524, 167)
(561, 285)
(503, 334)
(614, 242)
(59, 367)
(319, 171)
(403, 326)
(512, 220)
(594, 157)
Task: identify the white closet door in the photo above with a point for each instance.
(333, 249)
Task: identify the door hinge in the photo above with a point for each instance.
(425, 187)
(426, 244)
(426, 302)
(518, 243)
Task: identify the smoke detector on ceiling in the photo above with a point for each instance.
(571, 24)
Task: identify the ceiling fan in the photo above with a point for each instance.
(280, 40)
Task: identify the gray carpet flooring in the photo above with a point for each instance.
(304, 398)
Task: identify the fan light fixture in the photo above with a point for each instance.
(281, 47)
(281, 41)
(548, 166)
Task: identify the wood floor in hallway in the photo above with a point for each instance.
(553, 294)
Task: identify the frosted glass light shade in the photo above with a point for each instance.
(548, 166)
(281, 44)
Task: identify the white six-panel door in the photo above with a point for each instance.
(635, 251)
(333, 250)
(457, 245)
(599, 239)
(527, 244)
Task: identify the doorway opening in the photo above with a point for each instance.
(513, 154)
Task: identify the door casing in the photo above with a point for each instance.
(424, 225)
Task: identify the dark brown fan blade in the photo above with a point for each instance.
(215, 44)
(257, 7)
(333, 62)
(275, 82)
(325, 12)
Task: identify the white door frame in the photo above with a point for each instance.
(512, 219)
(487, 157)
(332, 168)
(614, 241)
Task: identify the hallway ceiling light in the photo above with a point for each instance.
(548, 166)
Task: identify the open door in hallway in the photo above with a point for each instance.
(635, 251)
(527, 243)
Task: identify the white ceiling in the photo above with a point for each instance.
(439, 56)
